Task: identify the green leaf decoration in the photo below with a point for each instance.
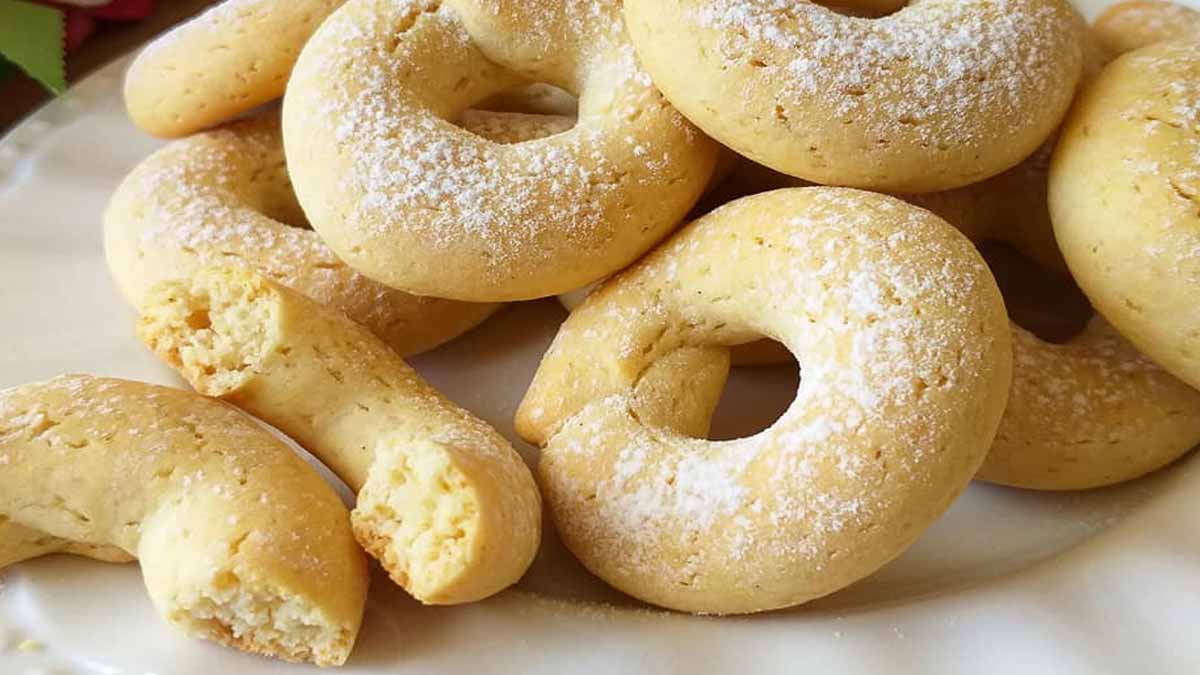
(31, 36)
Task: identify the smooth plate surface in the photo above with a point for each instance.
(1007, 582)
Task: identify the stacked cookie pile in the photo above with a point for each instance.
(433, 159)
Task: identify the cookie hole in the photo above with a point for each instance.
(1047, 304)
(864, 9)
(276, 199)
(268, 190)
(538, 98)
(754, 398)
(524, 113)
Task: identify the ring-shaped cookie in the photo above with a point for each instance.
(1011, 207)
(444, 501)
(940, 94)
(240, 541)
(1134, 24)
(1085, 413)
(1124, 189)
(903, 343)
(224, 196)
(230, 59)
(411, 200)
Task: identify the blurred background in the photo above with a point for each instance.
(93, 32)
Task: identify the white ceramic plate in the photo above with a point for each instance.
(1007, 582)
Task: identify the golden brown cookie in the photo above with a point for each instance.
(230, 59)
(1134, 24)
(1124, 188)
(937, 95)
(224, 197)
(409, 199)
(903, 343)
(240, 541)
(444, 501)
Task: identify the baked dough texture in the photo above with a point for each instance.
(937, 95)
(1124, 188)
(757, 353)
(1088, 413)
(413, 201)
(224, 196)
(230, 59)
(240, 541)
(444, 501)
(1012, 207)
(1130, 25)
(903, 344)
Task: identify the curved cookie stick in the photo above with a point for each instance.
(1091, 412)
(444, 502)
(230, 59)
(240, 541)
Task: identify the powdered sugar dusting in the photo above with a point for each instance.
(1090, 412)
(1161, 18)
(411, 174)
(1087, 392)
(1136, 23)
(196, 202)
(462, 188)
(137, 447)
(1168, 115)
(890, 331)
(931, 70)
(218, 198)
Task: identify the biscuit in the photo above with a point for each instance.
(1123, 195)
(1133, 24)
(224, 197)
(411, 200)
(903, 342)
(937, 95)
(240, 541)
(444, 501)
(230, 59)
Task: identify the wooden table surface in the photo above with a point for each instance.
(21, 96)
